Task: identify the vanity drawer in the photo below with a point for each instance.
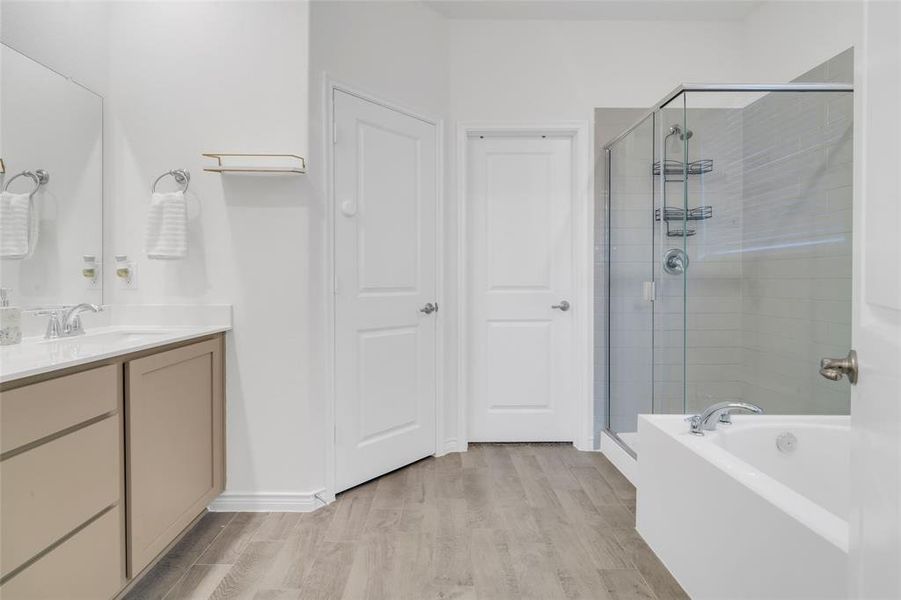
(87, 566)
(50, 490)
(35, 411)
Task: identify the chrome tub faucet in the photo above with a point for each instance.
(719, 413)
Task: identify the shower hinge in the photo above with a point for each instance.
(650, 291)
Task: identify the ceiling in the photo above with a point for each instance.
(609, 10)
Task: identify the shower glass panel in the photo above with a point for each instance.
(769, 286)
(729, 252)
(630, 247)
(671, 261)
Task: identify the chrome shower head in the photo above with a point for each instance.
(675, 129)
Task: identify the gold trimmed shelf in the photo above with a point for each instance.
(256, 163)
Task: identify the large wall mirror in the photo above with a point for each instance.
(51, 209)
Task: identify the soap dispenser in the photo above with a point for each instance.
(10, 320)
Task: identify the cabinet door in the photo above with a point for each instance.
(174, 444)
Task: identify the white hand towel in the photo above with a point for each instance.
(167, 226)
(19, 225)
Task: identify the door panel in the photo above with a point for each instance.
(875, 522)
(510, 388)
(521, 199)
(385, 253)
(387, 261)
(389, 361)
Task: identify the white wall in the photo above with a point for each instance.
(193, 77)
(555, 70)
(69, 36)
(783, 39)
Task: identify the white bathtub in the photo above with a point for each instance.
(732, 516)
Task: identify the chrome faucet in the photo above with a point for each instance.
(71, 319)
(67, 322)
(719, 413)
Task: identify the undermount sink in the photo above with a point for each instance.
(126, 336)
(116, 337)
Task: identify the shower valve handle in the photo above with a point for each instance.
(675, 261)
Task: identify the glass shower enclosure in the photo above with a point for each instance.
(727, 237)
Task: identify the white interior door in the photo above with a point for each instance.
(875, 519)
(520, 194)
(385, 253)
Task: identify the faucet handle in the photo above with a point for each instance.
(54, 323)
(695, 421)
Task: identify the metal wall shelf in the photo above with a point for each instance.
(672, 213)
(677, 167)
(256, 163)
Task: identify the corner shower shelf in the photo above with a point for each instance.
(673, 213)
(256, 163)
(677, 167)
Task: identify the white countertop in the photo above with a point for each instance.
(106, 338)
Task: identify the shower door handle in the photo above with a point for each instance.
(563, 306)
(834, 368)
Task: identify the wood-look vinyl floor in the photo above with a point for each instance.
(530, 521)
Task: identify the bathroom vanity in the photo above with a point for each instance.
(107, 455)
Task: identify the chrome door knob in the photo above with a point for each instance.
(429, 308)
(834, 369)
(564, 305)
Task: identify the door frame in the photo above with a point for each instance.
(330, 86)
(579, 133)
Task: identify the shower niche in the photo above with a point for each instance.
(726, 253)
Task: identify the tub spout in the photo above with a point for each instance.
(719, 413)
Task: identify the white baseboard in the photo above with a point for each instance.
(621, 459)
(585, 446)
(449, 446)
(267, 502)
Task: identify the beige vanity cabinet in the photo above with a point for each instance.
(104, 466)
(174, 444)
(61, 494)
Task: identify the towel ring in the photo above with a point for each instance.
(181, 176)
(39, 177)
